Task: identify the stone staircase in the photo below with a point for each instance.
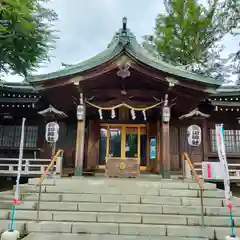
(101, 208)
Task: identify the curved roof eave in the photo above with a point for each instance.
(168, 68)
(18, 86)
(86, 65)
(227, 90)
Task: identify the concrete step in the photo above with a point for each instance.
(122, 208)
(129, 199)
(100, 217)
(95, 197)
(64, 236)
(150, 183)
(136, 230)
(125, 208)
(101, 208)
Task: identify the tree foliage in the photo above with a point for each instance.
(188, 34)
(26, 35)
(234, 58)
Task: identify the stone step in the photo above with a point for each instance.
(134, 199)
(100, 217)
(123, 208)
(23, 205)
(154, 183)
(90, 194)
(111, 207)
(64, 236)
(121, 229)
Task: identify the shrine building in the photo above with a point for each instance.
(122, 111)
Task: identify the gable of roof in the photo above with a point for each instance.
(123, 42)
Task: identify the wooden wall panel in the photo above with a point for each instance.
(93, 143)
(67, 142)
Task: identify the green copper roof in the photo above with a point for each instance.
(228, 90)
(123, 42)
(17, 86)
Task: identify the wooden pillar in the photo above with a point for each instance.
(80, 138)
(159, 142)
(205, 139)
(165, 143)
(165, 151)
(148, 147)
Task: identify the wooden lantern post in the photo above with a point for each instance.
(165, 143)
(80, 136)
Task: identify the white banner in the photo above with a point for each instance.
(223, 160)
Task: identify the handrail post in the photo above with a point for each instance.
(183, 167)
(195, 175)
(202, 209)
(39, 200)
(26, 166)
(42, 179)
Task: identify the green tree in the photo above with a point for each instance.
(236, 57)
(26, 35)
(188, 35)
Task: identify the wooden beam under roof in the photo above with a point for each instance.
(132, 103)
(120, 92)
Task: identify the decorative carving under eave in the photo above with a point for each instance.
(123, 71)
(52, 112)
(195, 113)
(171, 81)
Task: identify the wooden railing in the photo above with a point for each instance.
(57, 156)
(187, 162)
(233, 169)
(30, 167)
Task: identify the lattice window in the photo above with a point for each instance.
(7, 136)
(10, 136)
(213, 141)
(31, 137)
(231, 139)
(17, 138)
(237, 140)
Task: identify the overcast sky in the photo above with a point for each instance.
(87, 26)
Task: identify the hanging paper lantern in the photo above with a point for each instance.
(133, 114)
(144, 115)
(113, 114)
(100, 113)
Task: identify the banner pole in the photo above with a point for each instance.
(226, 178)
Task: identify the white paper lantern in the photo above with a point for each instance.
(133, 114)
(144, 115)
(113, 114)
(100, 113)
(194, 134)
